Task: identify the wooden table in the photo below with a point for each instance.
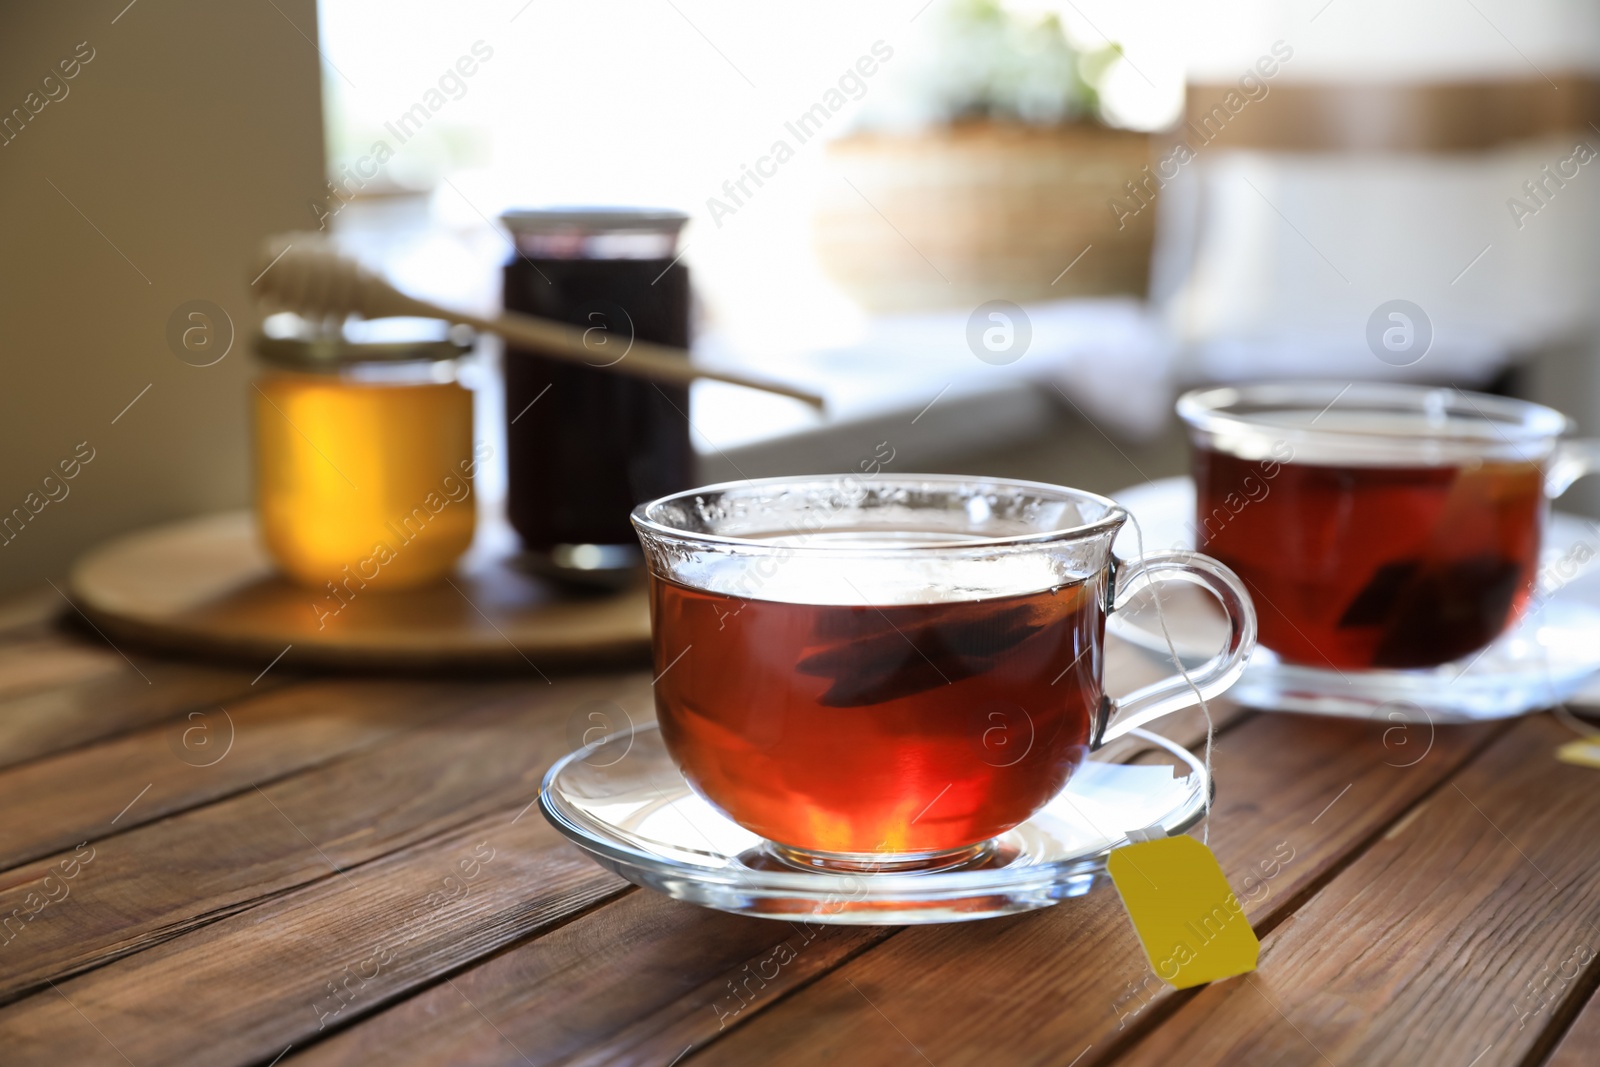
(202, 865)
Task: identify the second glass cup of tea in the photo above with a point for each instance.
(1378, 526)
(884, 674)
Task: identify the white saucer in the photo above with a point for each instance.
(637, 816)
(1551, 654)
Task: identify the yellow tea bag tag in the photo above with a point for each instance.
(1193, 927)
(1585, 753)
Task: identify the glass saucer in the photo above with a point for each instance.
(636, 815)
(1551, 654)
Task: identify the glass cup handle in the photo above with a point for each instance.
(1210, 679)
(1572, 460)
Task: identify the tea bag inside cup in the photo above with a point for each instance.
(883, 659)
(1454, 594)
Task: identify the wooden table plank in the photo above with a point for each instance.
(159, 881)
(34, 613)
(666, 972)
(109, 697)
(1580, 1045)
(31, 610)
(1048, 987)
(243, 989)
(610, 987)
(1432, 946)
(116, 785)
(49, 661)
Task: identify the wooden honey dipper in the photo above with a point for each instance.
(306, 273)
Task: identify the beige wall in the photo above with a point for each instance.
(194, 130)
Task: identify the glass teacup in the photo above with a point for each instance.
(886, 673)
(1378, 526)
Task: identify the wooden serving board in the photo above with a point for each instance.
(206, 586)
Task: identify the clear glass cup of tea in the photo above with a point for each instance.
(1378, 526)
(884, 673)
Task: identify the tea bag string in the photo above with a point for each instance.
(1172, 651)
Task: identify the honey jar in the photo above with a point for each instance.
(364, 459)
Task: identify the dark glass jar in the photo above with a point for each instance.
(584, 445)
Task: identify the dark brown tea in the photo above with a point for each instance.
(1356, 567)
(901, 728)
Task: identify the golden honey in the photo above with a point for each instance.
(367, 481)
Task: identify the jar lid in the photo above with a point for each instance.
(593, 220)
(288, 340)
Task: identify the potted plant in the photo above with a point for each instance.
(981, 170)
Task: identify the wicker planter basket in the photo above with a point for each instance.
(998, 210)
